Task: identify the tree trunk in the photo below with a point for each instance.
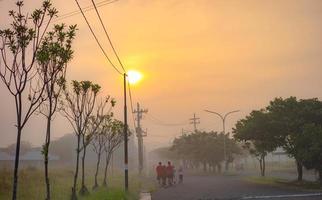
(320, 175)
(261, 165)
(106, 166)
(219, 167)
(83, 189)
(46, 152)
(226, 165)
(97, 168)
(299, 167)
(15, 174)
(19, 131)
(204, 166)
(74, 196)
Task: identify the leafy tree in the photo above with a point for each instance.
(53, 55)
(312, 148)
(88, 135)
(291, 116)
(93, 132)
(77, 108)
(98, 142)
(113, 136)
(18, 71)
(203, 148)
(259, 135)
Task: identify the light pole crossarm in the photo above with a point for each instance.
(213, 112)
(231, 112)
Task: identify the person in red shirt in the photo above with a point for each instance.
(170, 173)
(159, 169)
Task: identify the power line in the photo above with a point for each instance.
(162, 123)
(108, 37)
(85, 9)
(131, 101)
(89, 26)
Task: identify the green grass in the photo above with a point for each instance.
(32, 186)
(307, 185)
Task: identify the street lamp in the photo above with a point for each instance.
(223, 118)
(133, 77)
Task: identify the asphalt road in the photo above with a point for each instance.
(228, 187)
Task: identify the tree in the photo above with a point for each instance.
(291, 116)
(114, 137)
(52, 57)
(77, 108)
(312, 148)
(19, 46)
(98, 142)
(88, 134)
(203, 148)
(259, 135)
(93, 132)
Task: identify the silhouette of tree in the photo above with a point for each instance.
(77, 108)
(18, 71)
(52, 57)
(113, 136)
(259, 135)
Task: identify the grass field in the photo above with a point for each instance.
(32, 185)
(309, 185)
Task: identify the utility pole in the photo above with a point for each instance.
(195, 120)
(140, 134)
(126, 168)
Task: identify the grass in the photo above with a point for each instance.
(31, 185)
(307, 185)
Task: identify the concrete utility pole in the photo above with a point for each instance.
(195, 120)
(140, 134)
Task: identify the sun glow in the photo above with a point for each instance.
(134, 76)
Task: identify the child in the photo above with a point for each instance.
(180, 173)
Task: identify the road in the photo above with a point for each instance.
(228, 187)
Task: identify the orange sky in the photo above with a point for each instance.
(194, 54)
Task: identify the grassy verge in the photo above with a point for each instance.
(32, 186)
(308, 185)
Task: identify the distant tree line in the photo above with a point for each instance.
(205, 150)
(295, 125)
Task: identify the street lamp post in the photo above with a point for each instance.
(223, 118)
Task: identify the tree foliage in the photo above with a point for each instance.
(204, 148)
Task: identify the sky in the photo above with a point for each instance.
(220, 55)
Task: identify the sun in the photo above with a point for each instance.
(134, 76)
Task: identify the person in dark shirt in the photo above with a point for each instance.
(164, 175)
(159, 173)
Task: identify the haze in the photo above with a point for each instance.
(194, 55)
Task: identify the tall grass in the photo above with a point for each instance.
(31, 185)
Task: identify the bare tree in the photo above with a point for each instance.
(53, 55)
(98, 142)
(87, 136)
(114, 137)
(19, 45)
(77, 108)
